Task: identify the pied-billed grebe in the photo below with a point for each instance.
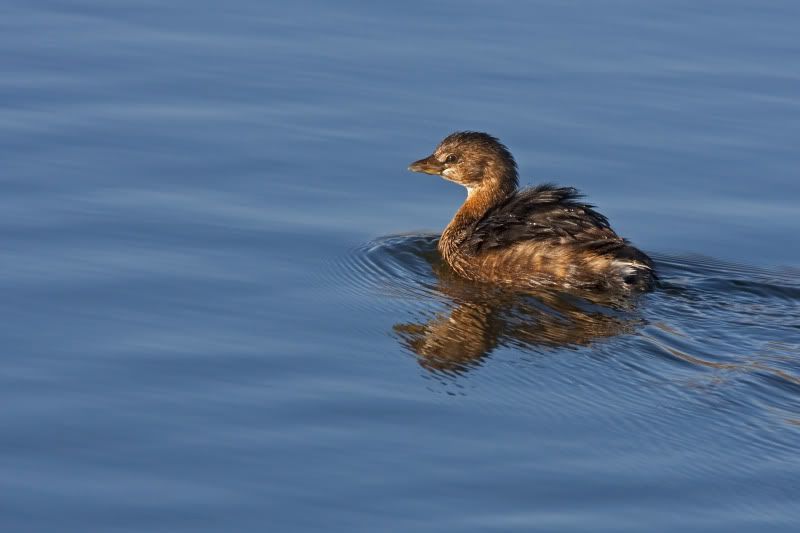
(539, 236)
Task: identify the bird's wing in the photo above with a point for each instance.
(545, 213)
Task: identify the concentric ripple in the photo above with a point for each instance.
(709, 323)
(398, 265)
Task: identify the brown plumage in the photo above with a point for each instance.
(544, 235)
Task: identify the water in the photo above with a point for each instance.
(224, 310)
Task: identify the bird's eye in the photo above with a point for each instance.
(452, 158)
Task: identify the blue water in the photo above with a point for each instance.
(224, 311)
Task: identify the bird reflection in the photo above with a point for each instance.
(480, 318)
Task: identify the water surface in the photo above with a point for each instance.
(224, 310)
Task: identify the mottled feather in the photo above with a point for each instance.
(555, 215)
(543, 213)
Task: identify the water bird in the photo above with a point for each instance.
(539, 236)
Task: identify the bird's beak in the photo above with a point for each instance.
(429, 165)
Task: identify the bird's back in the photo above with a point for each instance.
(547, 236)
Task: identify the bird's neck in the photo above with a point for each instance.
(479, 200)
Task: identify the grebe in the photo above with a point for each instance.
(541, 236)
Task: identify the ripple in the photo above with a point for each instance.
(394, 266)
(453, 324)
(711, 326)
